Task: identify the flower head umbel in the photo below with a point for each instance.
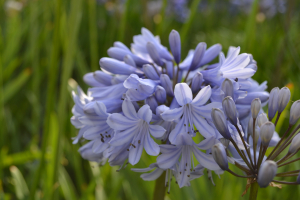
(147, 98)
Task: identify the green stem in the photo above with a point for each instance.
(160, 188)
(253, 191)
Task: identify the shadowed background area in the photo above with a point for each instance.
(46, 45)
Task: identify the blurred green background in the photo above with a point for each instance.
(47, 44)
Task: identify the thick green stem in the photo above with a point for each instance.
(160, 188)
(253, 191)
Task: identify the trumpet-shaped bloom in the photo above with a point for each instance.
(185, 148)
(191, 113)
(135, 128)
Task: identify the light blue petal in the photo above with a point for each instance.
(205, 111)
(150, 146)
(166, 161)
(145, 113)
(156, 131)
(135, 154)
(119, 122)
(177, 130)
(174, 114)
(152, 175)
(122, 137)
(99, 146)
(202, 97)
(207, 143)
(129, 110)
(203, 127)
(205, 160)
(183, 94)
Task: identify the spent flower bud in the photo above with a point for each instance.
(175, 45)
(220, 122)
(255, 107)
(230, 109)
(295, 144)
(266, 173)
(273, 103)
(283, 98)
(266, 133)
(219, 155)
(295, 112)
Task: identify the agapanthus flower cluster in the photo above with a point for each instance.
(191, 113)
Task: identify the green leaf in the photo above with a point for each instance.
(18, 181)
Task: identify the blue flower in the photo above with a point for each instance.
(135, 127)
(234, 66)
(191, 113)
(185, 149)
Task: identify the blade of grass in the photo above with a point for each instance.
(2, 136)
(124, 21)
(186, 27)
(53, 67)
(11, 88)
(20, 185)
(162, 15)
(93, 34)
(74, 20)
(51, 166)
(10, 68)
(66, 184)
(250, 29)
(34, 60)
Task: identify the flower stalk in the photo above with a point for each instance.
(253, 191)
(160, 188)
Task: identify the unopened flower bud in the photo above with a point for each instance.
(160, 94)
(219, 155)
(295, 112)
(273, 103)
(230, 109)
(151, 101)
(154, 54)
(167, 84)
(129, 61)
(266, 173)
(227, 88)
(220, 122)
(250, 126)
(283, 98)
(261, 119)
(198, 55)
(266, 133)
(150, 72)
(295, 144)
(116, 67)
(255, 107)
(175, 45)
(250, 130)
(197, 82)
